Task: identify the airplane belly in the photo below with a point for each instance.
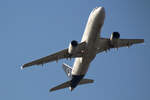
(93, 26)
(80, 67)
(91, 33)
(82, 64)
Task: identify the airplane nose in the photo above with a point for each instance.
(100, 12)
(101, 9)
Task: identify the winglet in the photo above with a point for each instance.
(21, 67)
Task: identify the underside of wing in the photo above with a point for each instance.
(57, 56)
(50, 58)
(104, 44)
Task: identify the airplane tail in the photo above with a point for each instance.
(67, 84)
(67, 70)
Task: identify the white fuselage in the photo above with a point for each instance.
(90, 36)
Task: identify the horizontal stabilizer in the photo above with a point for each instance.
(61, 86)
(67, 84)
(86, 81)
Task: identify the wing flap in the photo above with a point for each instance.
(129, 42)
(56, 56)
(104, 44)
(50, 58)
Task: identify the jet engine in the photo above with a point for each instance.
(114, 39)
(115, 35)
(72, 47)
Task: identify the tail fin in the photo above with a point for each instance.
(67, 84)
(67, 70)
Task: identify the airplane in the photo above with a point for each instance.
(84, 52)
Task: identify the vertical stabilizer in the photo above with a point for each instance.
(67, 70)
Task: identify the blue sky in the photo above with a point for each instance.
(30, 29)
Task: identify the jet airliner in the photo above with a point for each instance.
(85, 51)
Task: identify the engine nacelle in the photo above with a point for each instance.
(115, 35)
(72, 47)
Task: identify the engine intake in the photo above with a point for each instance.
(74, 43)
(72, 47)
(115, 35)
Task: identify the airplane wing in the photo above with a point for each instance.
(104, 44)
(56, 56)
